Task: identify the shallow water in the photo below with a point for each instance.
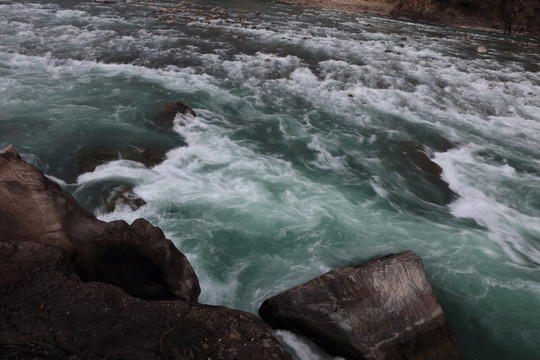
(317, 144)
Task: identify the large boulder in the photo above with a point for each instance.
(384, 309)
(137, 258)
(72, 286)
(47, 312)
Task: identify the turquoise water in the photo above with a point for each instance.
(309, 150)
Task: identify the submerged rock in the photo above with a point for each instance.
(413, 161)
(89, 159)
(76, 287)
(384, 309)
(168, 112)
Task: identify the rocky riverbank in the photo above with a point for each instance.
(73, 286)
(516, 17)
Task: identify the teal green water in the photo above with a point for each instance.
(309, 151)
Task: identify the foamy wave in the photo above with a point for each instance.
(481, 197)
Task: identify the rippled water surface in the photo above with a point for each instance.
(318, 143)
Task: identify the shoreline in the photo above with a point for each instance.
(427, 12)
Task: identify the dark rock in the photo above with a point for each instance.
(413, 161)
(79, 288)
(46, 312)
(384, 309)
(36, 208)
(419, 157)
(89, 159)
(138, 259)
(168, 112)
(215, 332)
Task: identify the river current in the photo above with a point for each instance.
(319, 141)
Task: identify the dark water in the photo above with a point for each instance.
(318, 143)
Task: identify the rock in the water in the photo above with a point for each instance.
(122, 196)
(384, 309)
(75, 287)
(168, 113)
(89, 159)
(422, 176)
(481, 50)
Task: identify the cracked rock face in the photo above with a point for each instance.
(384, 309)
(75, 287)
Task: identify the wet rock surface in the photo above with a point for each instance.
(75, 287)
(89, 159)
(413, 160)
(383, 309)
(168, 112)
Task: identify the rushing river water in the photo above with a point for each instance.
(309, 150)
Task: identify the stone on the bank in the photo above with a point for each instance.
(384, 309)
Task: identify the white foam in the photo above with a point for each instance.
(302, 347)
(481, 198)
(325, 160)
(118, 169)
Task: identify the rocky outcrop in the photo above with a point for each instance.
(75, 287)
(384, 309)
(139, 260)
(168, 112)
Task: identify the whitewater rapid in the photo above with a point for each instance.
(308, 151)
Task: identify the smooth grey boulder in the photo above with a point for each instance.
(383, 309)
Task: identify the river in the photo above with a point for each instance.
(319, 142)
